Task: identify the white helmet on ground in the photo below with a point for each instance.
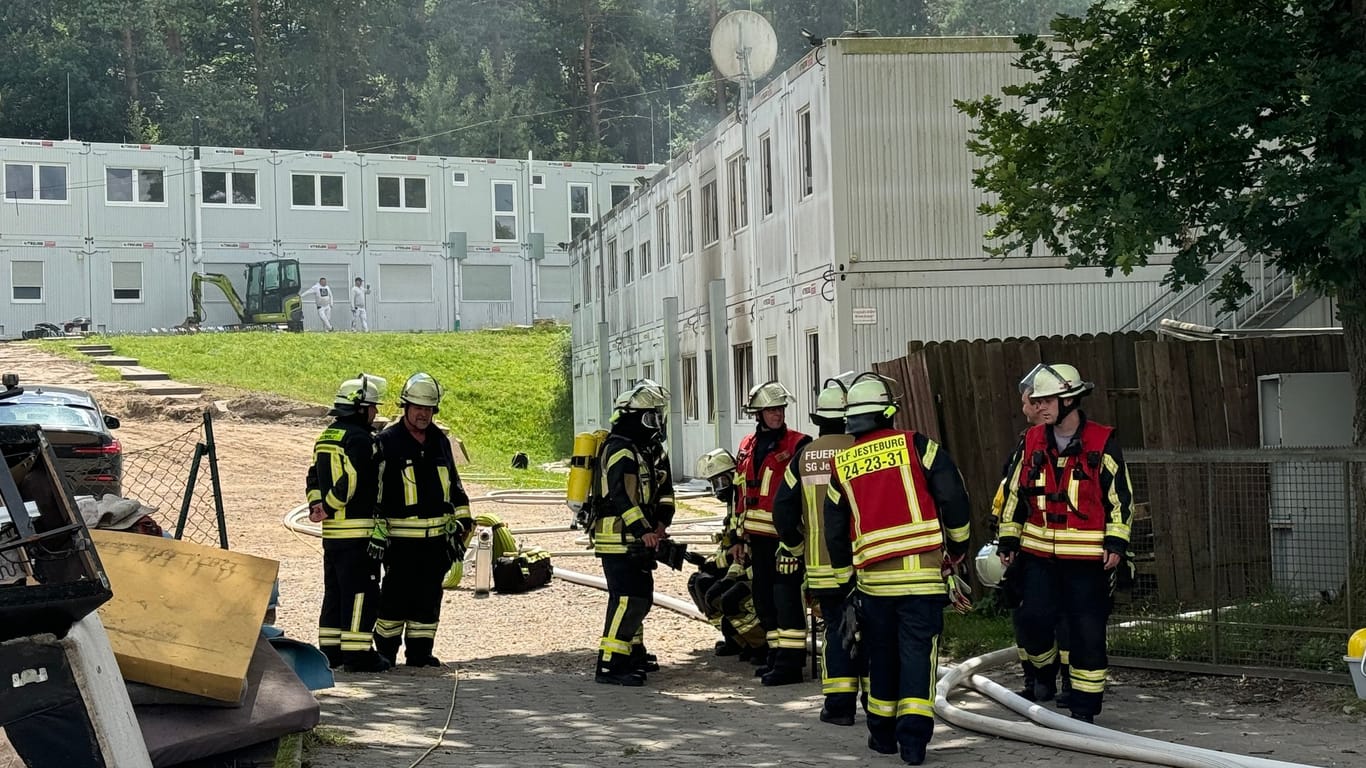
(770, 394)
(988, 565)
(421, 389)
(1055, 380)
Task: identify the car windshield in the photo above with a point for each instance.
(49, 415)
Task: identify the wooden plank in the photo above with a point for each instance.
(184, 616)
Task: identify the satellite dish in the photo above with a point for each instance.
(743, 46)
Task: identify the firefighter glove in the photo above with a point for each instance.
(849, 625)
(379, 539)
(455, 547)
(790, 559)
(960, 593)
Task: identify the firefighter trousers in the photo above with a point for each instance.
(410, 597)
(841, 674)
(1031, 673)
(350, 599)
(1078, 591)
(778, 601)
(901, 641)
(630, 595)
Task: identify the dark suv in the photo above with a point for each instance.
(89, 455)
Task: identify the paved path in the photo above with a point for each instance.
(519, 711)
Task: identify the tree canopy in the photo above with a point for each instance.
(1199, 125)
(610, 80)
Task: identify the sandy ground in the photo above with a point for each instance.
(541, 644)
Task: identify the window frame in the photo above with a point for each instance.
(586, 264)
(587, 215)
(383, 297)
(402, 193)
(813, 361)
(692, 410)
(737, 178)
(711, 215)
(612, 285)
(114, 288)
(687, 244)
(766, 175)
(136, 172)
(643, 248)
(317, 192)
(496, 214)
(460, 178)
(628, 258)
(711, 388)
(538, 184)
(228, 188)
(806, 172)
(36, 182)
(742, 372)
(662, 233)
(42, 282)
(612, 188)
(464, 284)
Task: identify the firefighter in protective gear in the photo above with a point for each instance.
(427, 523)
(1065, 527)
(898, 513)
(1009, 580)
(799, 516)
(633, 505)
(343, 484)
(761, 462)
(721, 588)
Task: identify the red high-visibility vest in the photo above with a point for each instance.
(1067, 516)
(761, 481)
(893, 514)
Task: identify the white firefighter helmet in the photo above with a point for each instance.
(421, 389)
(871, 393)
(366, 389)
(831, 401)
(1055, 380)
(770, 394)
(646, 395)
(717, 461)
(988, 565)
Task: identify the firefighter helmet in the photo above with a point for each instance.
(988, 566)
(421, 389)
(717, 461)
(1055, 380)
(770, 394)
(646, 395)
(831, 401)
(871, 394)
(366, 389)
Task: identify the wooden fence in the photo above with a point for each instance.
(1158, 393)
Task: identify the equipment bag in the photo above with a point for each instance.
(527, 570)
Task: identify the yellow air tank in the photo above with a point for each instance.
(581, 466)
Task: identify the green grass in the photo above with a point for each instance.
(505, 390)
(986, 629)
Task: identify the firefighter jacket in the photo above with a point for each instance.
(896, 503)
(763, 458)
(799, 509)
(634, 494)
(344, 478)
(420, 492)
(998, 501)
(1073, 504)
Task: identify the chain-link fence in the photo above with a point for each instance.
(1245, 559)
(180, 478)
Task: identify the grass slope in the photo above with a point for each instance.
(505, 391)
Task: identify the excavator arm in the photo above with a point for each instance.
(197, 281)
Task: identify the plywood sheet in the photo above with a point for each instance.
(184, 616)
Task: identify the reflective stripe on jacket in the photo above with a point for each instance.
(759, 480)
(1074, 504)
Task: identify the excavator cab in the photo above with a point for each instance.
(269, 285)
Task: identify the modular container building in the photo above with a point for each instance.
(831, 225)
(113, 232)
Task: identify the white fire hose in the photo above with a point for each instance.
(1047, 728)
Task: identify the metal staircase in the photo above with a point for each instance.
(1274, 300)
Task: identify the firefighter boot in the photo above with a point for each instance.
(836, 715)
(367, 661)
(429, 661)
(782, 676)
(913, 753)
(643, 661)
(617, 671)
(728, 647)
